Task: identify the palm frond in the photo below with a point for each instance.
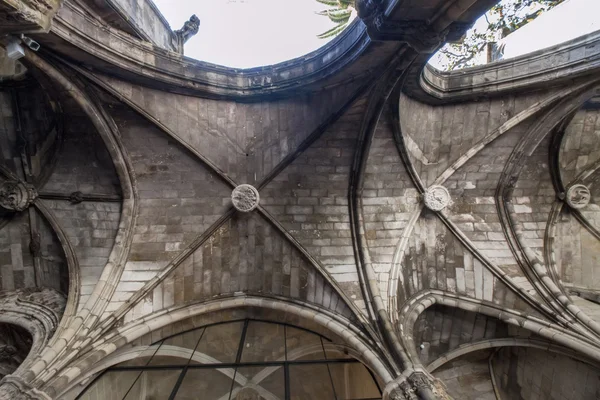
(331, 3)
(339, 16)
(326, 12)
(333, 31)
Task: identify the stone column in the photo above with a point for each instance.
(418, 386)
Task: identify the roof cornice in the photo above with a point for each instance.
(118, 53)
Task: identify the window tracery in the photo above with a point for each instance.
(247, 359)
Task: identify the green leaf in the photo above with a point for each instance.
(333, 31)
(332, 3)
(326, 12)
(504, 18)
(339, 16)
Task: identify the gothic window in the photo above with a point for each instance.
(241, 360)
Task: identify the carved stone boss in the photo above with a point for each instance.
(436, 198)
(578, 196)
(245, 198)
(16, 196)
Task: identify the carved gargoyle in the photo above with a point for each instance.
(190, 28)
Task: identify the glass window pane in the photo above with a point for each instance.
(205, 384)
(264, 342)
(144, 355)
(259, 383)
(154, 384)
(112, 385)
(310, 381)
(177, 350)
(219, 344)
(353, 381)
(303, 345)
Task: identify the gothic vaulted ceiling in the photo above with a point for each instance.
(437, 232)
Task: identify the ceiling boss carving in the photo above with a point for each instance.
(245, 198)
(436, 198)
(578, 196)
(16, 196)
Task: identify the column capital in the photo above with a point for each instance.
(14, 388)
(417, 385)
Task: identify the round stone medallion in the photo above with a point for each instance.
(245, 198)
(16, 196)
(578, 196)
(436, 198)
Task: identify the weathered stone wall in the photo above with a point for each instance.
(179, 199)
(39, 127)
(246, 255)
(465, 147)
(33, 122)
(581, 144)
(145, 18)
(577, 251)
(17, 265)
(437, 136)
(17, 270)
(25, 263)
(343, 239)
(528, 373)
(84, 165)
(389, 200)
(310, 198)
(185, 172)
(27, 16)
(576, 254)
(532, 199)
(468, 377)
(441, 329)
(246, 141)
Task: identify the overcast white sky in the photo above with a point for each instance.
(567, 21)
(249, 33)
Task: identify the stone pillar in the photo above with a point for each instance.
(418, 386)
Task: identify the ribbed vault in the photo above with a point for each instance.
(421, 220)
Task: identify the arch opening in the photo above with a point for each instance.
(245, 29)
(240, 359)
(526, 372)
(469, 376)
(513, 29)
(15, 344)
